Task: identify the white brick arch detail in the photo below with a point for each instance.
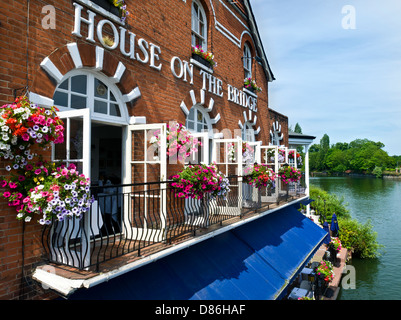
(51, 69)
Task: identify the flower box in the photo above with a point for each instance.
(116, 7)
(251, 85)
(107, 5)
(201, 60)
(203, 57)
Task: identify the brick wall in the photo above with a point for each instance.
(165, 23)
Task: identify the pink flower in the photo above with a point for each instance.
(55, 187)
(6, 194)
(25, 137)
(12, 185)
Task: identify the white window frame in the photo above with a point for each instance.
(248, 133)
(247, 61)
(90, 97)
(196, 24)
(207, 128)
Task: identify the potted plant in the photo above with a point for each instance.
(194, 181)
(334, 248)
(260, 176)
(180, 143)
(325, 271)
(251, 85)
(23, 125)
(204, 57)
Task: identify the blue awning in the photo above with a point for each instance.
(253, 262)
(307, 201)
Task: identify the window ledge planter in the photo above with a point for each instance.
(251, 86)
(250, 91)
(107, 5)
(200, 65)
(104, 8)
(201, 60)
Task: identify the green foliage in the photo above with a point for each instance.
(359, 156)
(359, 238)
(327, 204)
(378, 172)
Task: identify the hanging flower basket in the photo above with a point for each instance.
(180, 143)
(23, 125)
(260, 176)
(48, 191)
(251, 85)
(203, 57)
(289, 174)
(194, 181)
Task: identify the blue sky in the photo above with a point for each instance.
(334, 80)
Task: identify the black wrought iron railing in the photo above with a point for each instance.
(129, 218)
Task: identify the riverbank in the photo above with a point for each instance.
(385, 175)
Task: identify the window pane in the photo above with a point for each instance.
(76, 138)
(100, 89)
(199, 116)
(100, 107)
(64, 85)
(78, 84)
(112, 97)
(200, 127)
(202, 29)
(114, 110)
(191, 115)
(190, 125)
(60, 99)
(78, 102)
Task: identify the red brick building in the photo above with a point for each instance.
(109, 77)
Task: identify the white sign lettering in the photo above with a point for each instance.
(148, 53)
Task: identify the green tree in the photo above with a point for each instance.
(298, 128)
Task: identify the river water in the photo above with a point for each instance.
(380, 201)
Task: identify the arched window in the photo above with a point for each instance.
(95, 116)
(248, 134)
(85, 90)
(247, 61)
(197, 121)
(199, 26)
